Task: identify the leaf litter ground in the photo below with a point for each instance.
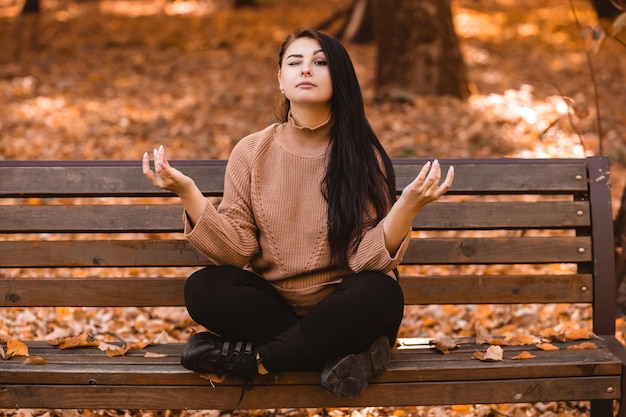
(112, 79)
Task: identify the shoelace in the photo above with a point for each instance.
(228, 363)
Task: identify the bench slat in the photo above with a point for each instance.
(310, 396)
(129, 218)
(124, 178)
(90, 365)
(178, 252)
(168, 291)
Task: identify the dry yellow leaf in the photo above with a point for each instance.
(154, 355)
(83, 340)
(137, 345)
(520, 340)
(583, 345)
(552, 335)
(35, 360)
(524, 355)
(117, 351)
(462, 408)
(444, 345)
(492, 354)
(547, 346)
(579, 334)
(16, 348)
(212, 378)
(478, 355)
(482, 335)
(161, 339)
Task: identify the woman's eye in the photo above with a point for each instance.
(292, 63)
(320, 62)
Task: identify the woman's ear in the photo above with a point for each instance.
(280, 81)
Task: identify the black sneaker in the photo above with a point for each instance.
(347, 376)
(207, 353)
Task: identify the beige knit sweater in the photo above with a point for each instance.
(272, 218)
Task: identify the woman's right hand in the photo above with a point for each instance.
(164, 175)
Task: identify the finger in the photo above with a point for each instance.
(145, 166)
(145, 163)
(434, 175)
(449, 177)
(447, 183)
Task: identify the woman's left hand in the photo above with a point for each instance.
(426, 187)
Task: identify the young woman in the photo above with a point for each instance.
(307, 237)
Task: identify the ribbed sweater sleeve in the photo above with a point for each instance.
(372, 254)
(228, 235)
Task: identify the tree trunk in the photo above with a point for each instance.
(359, 27)
(605, 9)
(31, 6)
(418, 50)
(245, 3)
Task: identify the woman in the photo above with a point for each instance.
(307, 237)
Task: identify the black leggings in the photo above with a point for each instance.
(242, 306)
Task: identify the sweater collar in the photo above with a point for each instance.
(307, 142)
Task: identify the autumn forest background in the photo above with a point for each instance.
(110, 79)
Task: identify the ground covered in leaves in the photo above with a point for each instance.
(112, 79)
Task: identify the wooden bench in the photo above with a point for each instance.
(546, 223)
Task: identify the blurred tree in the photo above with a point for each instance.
(418, 50)
(359, 26)
(245, 3)
(608, 9)
(31, 6)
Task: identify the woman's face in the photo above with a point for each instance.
(304, 76)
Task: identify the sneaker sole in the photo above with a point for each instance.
(347, 377)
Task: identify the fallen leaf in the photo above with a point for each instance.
(482, 335)
(212, 378)
(115, 351)
(547, 346)
(154, 355)
(161, 339)
(552, 335)
(83, 340)
(583, 345)
(103, 346)
(492, 354)
(16, 348)
(521, 340)
(524, 355)
(579, 334)
(137, 345)
(35, 360)
(444, 345)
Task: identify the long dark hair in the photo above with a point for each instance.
(359, 191)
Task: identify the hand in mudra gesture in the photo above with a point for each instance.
(164, 175)
(426, 187)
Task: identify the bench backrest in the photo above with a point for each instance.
(513, 231)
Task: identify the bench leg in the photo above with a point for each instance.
(604, 408)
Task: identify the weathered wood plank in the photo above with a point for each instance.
(124, 178)
(179, 252)
(90, 366)
(168, 291)
(99, 178)
(130, 218)
(506, 289)
(306, 396)
(498, 250)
